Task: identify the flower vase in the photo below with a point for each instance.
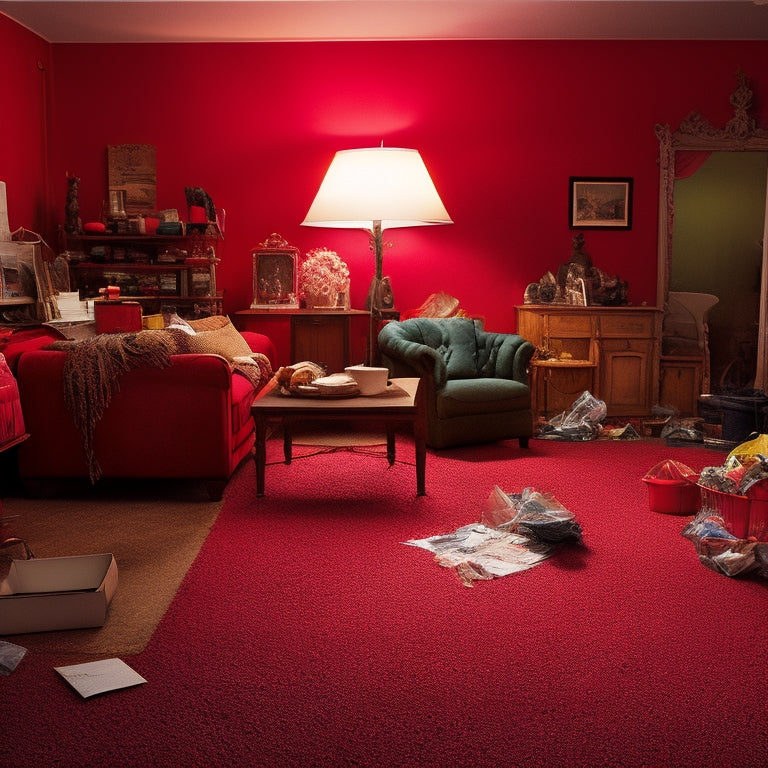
(321, 300)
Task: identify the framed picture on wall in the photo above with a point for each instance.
(275, 274)
(596, 202)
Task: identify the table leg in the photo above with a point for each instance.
(260, 453)
(287, 442)
(420, 441)
(390, 444)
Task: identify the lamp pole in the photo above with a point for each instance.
(377, 246)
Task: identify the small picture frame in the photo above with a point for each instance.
(275, 274)
(596, 202)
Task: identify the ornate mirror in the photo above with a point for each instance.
(691, 144)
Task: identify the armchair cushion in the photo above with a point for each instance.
(462, 397)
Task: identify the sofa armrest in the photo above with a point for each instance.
(258, 342)
(513, 356)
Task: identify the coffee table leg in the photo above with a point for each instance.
(420, 441)
(390, 444)
(260, 454)
(421, 461)
(287, 442)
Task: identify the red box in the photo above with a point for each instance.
(746, 517)
(117, 316)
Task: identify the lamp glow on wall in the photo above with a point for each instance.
(376, 189)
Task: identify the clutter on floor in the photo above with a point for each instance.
(10, 656)
(582, 422)
(515, 532)
(672, 488)
(96, 677)
(729, 504)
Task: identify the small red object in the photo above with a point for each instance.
(111, 292)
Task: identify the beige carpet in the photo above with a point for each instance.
(331, 436)
(155, 531)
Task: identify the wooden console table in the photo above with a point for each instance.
(615, 349)
(334, 338)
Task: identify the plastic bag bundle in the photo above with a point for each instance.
(582, 422)
(758, 446)
(515, 533)
(737, 475)
(721, 551)
(539, 516)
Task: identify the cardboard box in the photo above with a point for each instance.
(53, 593)
(152, 322)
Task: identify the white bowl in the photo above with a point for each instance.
(370, 380)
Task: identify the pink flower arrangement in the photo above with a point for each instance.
(323, 273)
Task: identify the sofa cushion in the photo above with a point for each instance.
(211, 323)
(225, 341)
(461, 397)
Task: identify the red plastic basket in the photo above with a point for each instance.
(744, 516)
(673, 497)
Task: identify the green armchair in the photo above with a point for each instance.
(476, 381)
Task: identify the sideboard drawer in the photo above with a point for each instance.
(636, 325)
(570, 325)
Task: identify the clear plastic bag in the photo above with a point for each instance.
(721, 551)
(671, 470)
(582, 422)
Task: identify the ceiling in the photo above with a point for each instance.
(115, 21)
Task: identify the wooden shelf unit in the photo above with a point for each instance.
(134, 263)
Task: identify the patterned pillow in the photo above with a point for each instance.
(180, 324)
(211, 323)
(224, 341)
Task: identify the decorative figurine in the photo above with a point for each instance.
(73, 225)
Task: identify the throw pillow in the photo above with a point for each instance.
(211, 323)
(180, 324)
(225, 341)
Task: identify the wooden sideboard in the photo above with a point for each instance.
(613, 352)
(334, 338)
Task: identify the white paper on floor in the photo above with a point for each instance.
(515, 533)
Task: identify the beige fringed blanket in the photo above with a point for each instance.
(93, 368)
(92, 372)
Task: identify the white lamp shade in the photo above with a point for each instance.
(383, 184)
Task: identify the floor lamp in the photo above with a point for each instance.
(376, 189)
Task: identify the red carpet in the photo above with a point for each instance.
(307, 634)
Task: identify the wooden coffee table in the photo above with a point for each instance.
(401, 403)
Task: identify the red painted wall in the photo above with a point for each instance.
(23, 146)
(500, 124)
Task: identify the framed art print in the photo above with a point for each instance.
(275, 274)
(596, 202)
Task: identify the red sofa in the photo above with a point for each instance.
(190, 420)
